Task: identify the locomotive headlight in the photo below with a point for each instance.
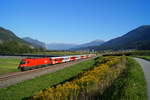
(45, 61)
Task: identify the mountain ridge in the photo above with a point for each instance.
(68, 46)
(35, 42)
(138, 38)
(88, 44)
(7, 35)
(12, 44)
(60, 46)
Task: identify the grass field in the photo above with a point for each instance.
(62, 53)
(87, 85)
(131, 85)
(8, 65)
(145, 57)
(29, 87)
(129, 53)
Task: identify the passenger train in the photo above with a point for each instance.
(32, 63)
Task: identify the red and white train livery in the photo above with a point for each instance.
(31, 63)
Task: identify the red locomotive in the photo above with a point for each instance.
(32, 63)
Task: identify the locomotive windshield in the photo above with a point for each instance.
(22, 62)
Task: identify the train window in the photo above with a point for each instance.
(22, 62)
(65, 58)
(61, 58)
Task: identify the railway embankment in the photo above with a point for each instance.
(16, 77)
(29, 87)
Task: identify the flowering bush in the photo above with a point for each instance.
(87, 83)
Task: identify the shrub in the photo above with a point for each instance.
(89, 84)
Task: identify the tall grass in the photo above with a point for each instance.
(144, 57)
(87, 85)
(130, 85)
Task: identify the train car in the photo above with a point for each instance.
(66, 58)
(78, 57)
(83, 56)
(56, 60)
(31, 63)
(73, 58)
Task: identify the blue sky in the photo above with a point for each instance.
(73, 21)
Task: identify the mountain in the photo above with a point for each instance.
(138, 38)
(86, 45)
(34, 42)
(63, 46)
(7, 35)
(60, 46)
(12, 44)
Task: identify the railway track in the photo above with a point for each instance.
(16, 77)
(15, 74)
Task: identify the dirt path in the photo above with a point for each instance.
(146, 68)
(16, 77)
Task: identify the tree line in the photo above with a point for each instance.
(14, 47)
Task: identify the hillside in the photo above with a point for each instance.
(11, 44)
(60, 46)
(138, 38)
(65, 46)
(34, 42)
(92, 43)
(7, 35)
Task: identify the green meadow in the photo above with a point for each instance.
(8, 65)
